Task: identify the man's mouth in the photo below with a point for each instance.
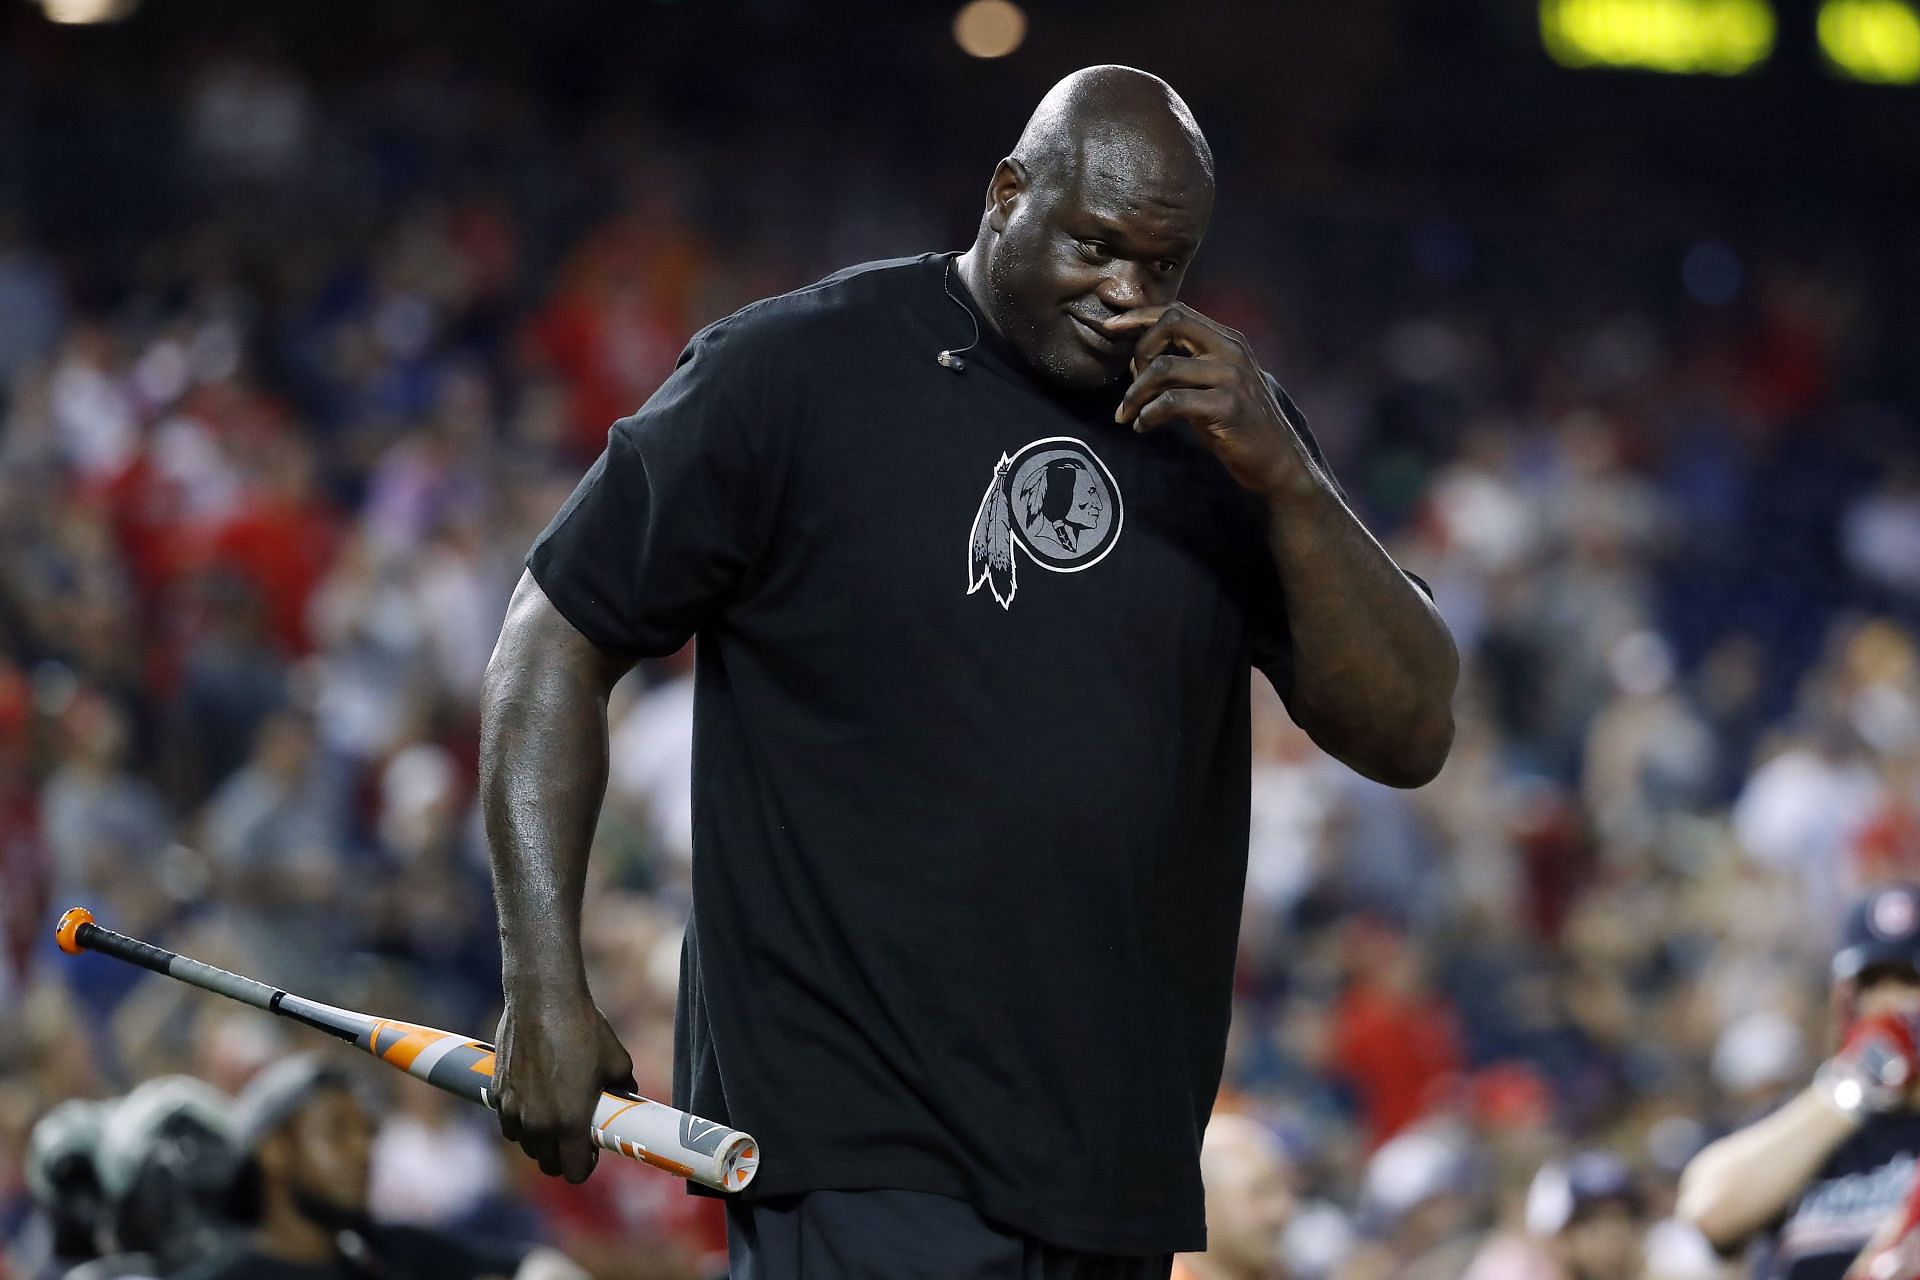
(1099, 341)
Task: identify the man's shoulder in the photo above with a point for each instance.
(851, 294)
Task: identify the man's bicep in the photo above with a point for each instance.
(537, 630)
(1272, 640)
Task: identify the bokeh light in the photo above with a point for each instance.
(86, 12)
(990, 28)
(1683, 37)
(1877, 41)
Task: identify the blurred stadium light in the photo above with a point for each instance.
(1684, 37)
(83, 12)
(990, 28)
(1876, 41)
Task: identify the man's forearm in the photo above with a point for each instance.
(1374, 667)
(543, 775)
(1746, 1179)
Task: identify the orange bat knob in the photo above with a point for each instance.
(67, 933)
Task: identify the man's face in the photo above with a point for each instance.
(331, 1150)
(1109, 234)
(1085, 511)
(1250, 1201)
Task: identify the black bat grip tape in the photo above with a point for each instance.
(120, 946)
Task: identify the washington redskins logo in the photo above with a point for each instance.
(1056, 501)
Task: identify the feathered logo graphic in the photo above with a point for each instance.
(1057, 501)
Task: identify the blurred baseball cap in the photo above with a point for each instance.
(143, 1121)
(276, 1095)
(1882, 928)
(1412, 1168)
(60, 1151)
(1564, 1189)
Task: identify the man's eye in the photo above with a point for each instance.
(1094, 250)
(1167, 266)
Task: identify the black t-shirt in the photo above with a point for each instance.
(1859, 1186)
(970, 753)
(379, 1253)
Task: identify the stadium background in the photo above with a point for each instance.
(308, 322)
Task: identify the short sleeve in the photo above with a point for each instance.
(671, 518)
(1272, 639)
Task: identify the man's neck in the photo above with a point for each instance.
(971, 267)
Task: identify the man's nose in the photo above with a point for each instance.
(1124, 287)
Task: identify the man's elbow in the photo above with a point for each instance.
(1715, 1216)
(1417, 756)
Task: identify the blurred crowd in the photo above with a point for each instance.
(268, 470)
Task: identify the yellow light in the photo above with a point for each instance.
(990, 28)
(1873, 40)
(83, 12)
(1683, 37)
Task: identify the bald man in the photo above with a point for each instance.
(1250, 1201)
(968, 848)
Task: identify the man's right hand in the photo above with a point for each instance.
(1878, 1066)
(555, 1054)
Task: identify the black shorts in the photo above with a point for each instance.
(902, 1235)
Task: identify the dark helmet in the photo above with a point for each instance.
(166, 1162)
(1883, 928)
(61, 1175)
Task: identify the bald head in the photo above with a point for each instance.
(1097, 211)
(1117, 118)
(1232, 1139)
(1249, 1197)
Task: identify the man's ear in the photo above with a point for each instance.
(1004, 191)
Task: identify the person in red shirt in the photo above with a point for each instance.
(282, 540)
(1394, 1040)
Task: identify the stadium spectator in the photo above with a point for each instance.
(64, 1182)
(1817, 1177)
(1584, 1221)
(164, 1156)
(1250, 1203)
(307, 1139)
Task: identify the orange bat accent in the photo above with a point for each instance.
(67, 934)
(645, 1156)
(412, 1043)
(483, 1066)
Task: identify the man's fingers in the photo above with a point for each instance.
(1195, 405)
(578, 1156)
(550, 1145)
(537, 1141)
(1165, 372)
(1136, 320)
(1183, 331)
(546, 1099)
(562, 1146)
